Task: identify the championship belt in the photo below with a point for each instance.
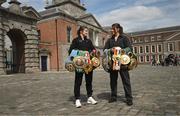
(88, 66)
(107, 60)
(95, 58)
(79, 62)
(69, 64)
(73, 62)
(95, 62)
(116, 57)
(82, 61)
(125, 59)
(133, 61)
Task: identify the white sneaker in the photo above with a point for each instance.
(91, 101)
(78, 103)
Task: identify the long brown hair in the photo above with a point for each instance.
(81, 28)
(118, 26)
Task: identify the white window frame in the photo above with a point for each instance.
(158, 48)
(146, 39)
(152, 38)
(169, 47)
(140, 39)
(159, 37)
(135, 40)
(134, 49)
(140, 59)
(148, 47)
(146, 58)
(140, 50)
(159, 56)
(154, 48)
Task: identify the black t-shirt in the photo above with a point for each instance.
(122, 41)
(79, 44)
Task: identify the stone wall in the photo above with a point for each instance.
(1, 50)
(27, 26)
(72, 10)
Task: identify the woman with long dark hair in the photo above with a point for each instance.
(119, 40)
(82, 43)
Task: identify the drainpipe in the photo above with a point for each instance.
(57, 46)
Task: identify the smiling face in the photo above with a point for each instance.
(84, 32)
(114, 30)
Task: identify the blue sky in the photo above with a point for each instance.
(133, 15)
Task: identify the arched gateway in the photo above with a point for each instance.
(19, 25)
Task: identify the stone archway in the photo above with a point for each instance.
(17, 38)
(22, 31)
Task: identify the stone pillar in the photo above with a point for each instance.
(2, 65)
(31, 52)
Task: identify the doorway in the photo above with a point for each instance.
(43, 63)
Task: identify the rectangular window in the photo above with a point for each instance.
(160, 57)
(153, 49)
(147, 49)
(135, 50)
(140, 39)
(146, 39)
(141, 49)
(159, 37)
(135, 40)
(170, 47)
(103, 41)
(147, 58)
(141, 58)
(39, 34)
(159, 48)
(69, 34)
(152, 38)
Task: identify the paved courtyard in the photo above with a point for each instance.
(156, 91)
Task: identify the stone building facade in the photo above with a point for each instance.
(58, 28)
(19, 24)
(156, 44)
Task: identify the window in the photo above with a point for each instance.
(170, 47)
(147, 58)
(159, 48)
(135, 49)
(153, 49)
(103, 41)
(140, 39)
(146, 39)
(96, 38)
(152, 38)
(134, 40)
(141, 59)
(147, 49)
(141, 49)
(160, 57)
(153, 56)
(39, 34)
(69, 35)
(159, 37)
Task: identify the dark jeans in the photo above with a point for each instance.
(78, 82)
(125, 80)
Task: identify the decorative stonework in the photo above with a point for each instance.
(22, 26)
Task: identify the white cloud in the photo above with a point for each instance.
(37, 4)
(146, 2)
(131, 16)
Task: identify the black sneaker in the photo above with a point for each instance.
(129, 102)
(112, 99)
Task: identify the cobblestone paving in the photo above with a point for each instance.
(156, 91)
